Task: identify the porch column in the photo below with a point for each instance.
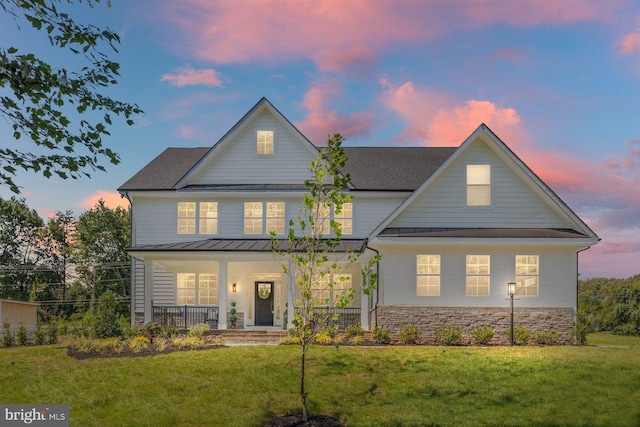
(148, 291)
(222, 295)
(291, 290)
(364, 311)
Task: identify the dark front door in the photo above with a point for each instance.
(264, 303)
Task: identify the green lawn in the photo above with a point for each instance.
(380, 386)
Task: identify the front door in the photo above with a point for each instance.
(264, 303)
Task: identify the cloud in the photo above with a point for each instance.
(321, 120)
(112, 199)
(630, 44)
(187, 76)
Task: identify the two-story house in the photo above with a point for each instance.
(453, 226)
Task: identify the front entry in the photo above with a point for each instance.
(264, 303)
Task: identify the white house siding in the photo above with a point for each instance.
(514, 204)
(138, 287)
(164, 287)
(236, 162)
(557, 278)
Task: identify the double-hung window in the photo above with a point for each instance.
(527, 274)
(345, 218)
(196, 289)
(478, 185)
(208, 218)
(428, 275)
(198, 217)
(264, 142)
(330, 289)
(261, 216)
(324, 214)
(478, 275)
(187, 218)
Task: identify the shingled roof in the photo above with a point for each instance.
(370, 168)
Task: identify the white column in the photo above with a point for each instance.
(222, 294)
(364, 311)
(148, 291)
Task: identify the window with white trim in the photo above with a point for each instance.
(345, 218)
(261, 216)
(478, 185)
(264, 142)
(208, 218)
(428, 275)
(527, 274)
(478, 275)
(329, 289)
(186, 218)
(196, 289)
(326, 214)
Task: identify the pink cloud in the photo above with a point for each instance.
(189, 132)
(340, 35)
(630, 44)
(187, 76)
(321, 120)
(112, 199)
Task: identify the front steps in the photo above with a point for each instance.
(250, 336)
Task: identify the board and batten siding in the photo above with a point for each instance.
(558, 287)
(513, 203)
(237, 161)
(156, 218)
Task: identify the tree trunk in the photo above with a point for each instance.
(303, 392)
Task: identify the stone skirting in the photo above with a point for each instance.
(428, 319)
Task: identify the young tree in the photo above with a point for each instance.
(310, 252)
(62, 112)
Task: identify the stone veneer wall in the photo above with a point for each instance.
(428, 319)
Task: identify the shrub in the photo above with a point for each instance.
(82, 344)
(381, 336)
(449, 335)
(410, 334)
(521, 335)
(104, 344)
(290, 340)
(162, 343)
(482, 335)
(629, 329)
(331, 331)
(354, 330)
(549, 337)
(52, 334)
(137, 344)
(7, 336)
(581, 327)
(22, 336)
(199, 329)
(169, 331)
(103, 319)
(323, 338)
(39, 335)
(356, 340)
(188, 342)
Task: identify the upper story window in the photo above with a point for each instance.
(478, 275)
(527, 274)
(264, 142)
(478, 185)
(325, 214)
(345, 218)
(188, 216)
(428, 275)
(255, 221)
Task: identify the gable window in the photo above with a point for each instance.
(186, 218)
(478, 275)
(255, 221)
(209, 218)
(196, 289)
(478, 185)
(264, 142)
(428, 275)
(527, 274)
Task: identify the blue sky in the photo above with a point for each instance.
(559, 82)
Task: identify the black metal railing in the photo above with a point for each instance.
(341, 317)
(183, 316)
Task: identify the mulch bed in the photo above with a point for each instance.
(126, 352)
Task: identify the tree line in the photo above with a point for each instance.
(611, 305)
(67, 262)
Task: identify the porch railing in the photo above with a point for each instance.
(183, 316)
(345, 316)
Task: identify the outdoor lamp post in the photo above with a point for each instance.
(511, 290)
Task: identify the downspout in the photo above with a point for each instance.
(375, 309)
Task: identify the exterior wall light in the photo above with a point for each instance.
(234, 288)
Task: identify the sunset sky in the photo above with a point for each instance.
(557, 81)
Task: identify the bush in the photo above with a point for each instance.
(381, 336)
(169, 331)
(629, 329)
(199, 329)
(549, 337)
(151, 330)
(354, 330)
(103, 319)
(410, 334)
(137, 344)
(324, 338)
(449, 335)
(52, 334)
(521, 335)
(7, 336)
(39, 335)
(22, 336)
(581, 327)
(188, 342)
(482, 335)
(356, 340)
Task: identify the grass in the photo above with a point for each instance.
(382, 386)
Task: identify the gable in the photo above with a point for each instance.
(518, 198)
(235, 159)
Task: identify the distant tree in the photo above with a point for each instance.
(99, 250)
(60, 113)
(611, 304)
(309, 253)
